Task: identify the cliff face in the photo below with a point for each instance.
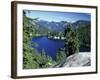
(78, 60)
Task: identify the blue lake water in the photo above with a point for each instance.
(51, 46)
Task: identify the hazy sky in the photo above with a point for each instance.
(58, 16)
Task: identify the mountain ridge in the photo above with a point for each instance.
(60, 26)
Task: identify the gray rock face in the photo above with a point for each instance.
(78, 60)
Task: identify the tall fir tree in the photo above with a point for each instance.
(72, 43)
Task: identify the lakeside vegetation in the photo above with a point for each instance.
(73, 38)
(31, 58)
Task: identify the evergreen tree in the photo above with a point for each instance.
(72, 43)
(60, 55)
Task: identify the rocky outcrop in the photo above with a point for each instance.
(77, 60)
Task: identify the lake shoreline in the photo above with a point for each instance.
(52, 46)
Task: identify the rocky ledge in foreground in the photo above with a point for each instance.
(77, 60)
